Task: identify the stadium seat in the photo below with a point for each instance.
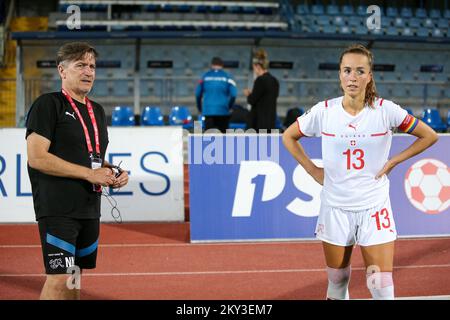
(423, 32)
(433, 119)
(421, 13)
(435, 13)
(428, 23)
(414, 23)
(180, 115)
(361, 10)
(447, 14)
(152, 116)
(332, 9)
(317, 9)
(122, 116)
(347, 10)
(406, 12)
(443, 23)
(437, 33)
(391, 12)
(302, 9)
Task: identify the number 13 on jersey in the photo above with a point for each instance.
(355, 159)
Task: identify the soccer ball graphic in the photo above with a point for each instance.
(427, 186)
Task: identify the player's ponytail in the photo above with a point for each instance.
(371, 90)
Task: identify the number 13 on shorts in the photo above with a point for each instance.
(382, 219)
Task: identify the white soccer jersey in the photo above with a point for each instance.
(354, 149)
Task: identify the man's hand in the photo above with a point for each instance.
(121, 180)
(247, 92)
(102, 176)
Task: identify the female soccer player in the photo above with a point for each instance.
(356, 132)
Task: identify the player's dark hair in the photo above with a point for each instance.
(217, 61)
(371, 90)
(74, 51)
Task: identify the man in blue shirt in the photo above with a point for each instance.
(218, 91)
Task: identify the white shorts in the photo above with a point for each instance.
(366, 227)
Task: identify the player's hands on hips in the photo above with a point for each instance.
(318, 174)
(102, 176)
(388, 166)
(121, 180)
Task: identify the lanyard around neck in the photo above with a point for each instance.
(83, 124)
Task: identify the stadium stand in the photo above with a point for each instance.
(153, 52)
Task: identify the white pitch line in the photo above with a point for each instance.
(189, 273)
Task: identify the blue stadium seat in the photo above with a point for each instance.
(437, 33)
(428, 23)
(391, 12)
(361, 10)
(355, 21)
(443, 23)
(348, 10)
(180, 115)
(332, 9)
(392, 31)
(423, 32)
(345, 30)
(360, 29)
(433, 119)
(302, 9)
(406, 12)
(414, 23)
(399, 22)
(421, 13)
(122, 116)
(447, 14)
(338, 21)
(317, 9)
(435, 13)
(407, 32)
(323, 20)
(152, 116)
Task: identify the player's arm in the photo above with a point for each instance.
(40, 159)
(290, 141)
(426, 137)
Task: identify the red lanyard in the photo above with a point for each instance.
(94, 123)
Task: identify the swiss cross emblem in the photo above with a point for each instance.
(353, 142)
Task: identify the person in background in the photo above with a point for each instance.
(215, 95)
(263, 97)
